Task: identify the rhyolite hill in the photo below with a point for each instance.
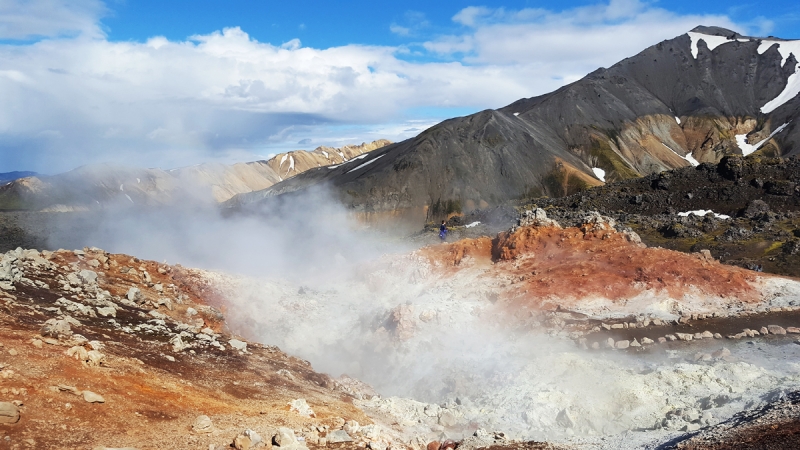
(692, 99)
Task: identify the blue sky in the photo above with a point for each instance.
(167, 84)
(325, 24)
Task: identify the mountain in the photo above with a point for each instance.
(692, 99)
(11, 176)
(99, 185)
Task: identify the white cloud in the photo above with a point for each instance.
(224, 95)
(26, 19)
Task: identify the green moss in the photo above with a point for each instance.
(773, 247)
(608, 160)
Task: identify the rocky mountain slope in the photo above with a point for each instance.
(101, 185)
(692, 99)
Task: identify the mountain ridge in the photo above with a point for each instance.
(102, 184)
(658, 110)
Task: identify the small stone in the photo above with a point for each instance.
(658, 322)
(238, 345)
(793, 330)
(9, 413)
(285, 437)
(135, 295)
(617, 326)
(605, 326)
(763, 331)
(202, 424)
(717, 336)
(170, 358)
(662, 340)
(622, 344)
(595, 345)
(107, 311)
(56, 328)
(246, 440)
(775, 329)
(13, 352)
(37, 343)
(671, 337)
(301, 407)
(351, 427)
(721, 353)
(91, 397)
(635, 343)
(88, 276)
(647, 341)
(707, 335)
(337, 436)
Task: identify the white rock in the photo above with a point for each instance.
(238, 345)
(91, 397)
(202, 424)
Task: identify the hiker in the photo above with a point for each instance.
(443, 231)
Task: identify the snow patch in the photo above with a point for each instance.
(703, 212)
(366, 163)
(599, 173)
(688, 156)
(711, 41)
(473, 224)
(741, 141)
(678, 119)
(326, 154)
(283, 160)
(516, 114)
(129, 197)
(342, 155)
(121, 187)
(138, 180)
(792, 88)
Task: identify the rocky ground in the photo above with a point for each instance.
(760, 197)
(98, 349)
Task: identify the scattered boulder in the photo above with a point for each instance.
(622, 344)
(135, 295)
(9, 413)
(301, 407)
(775, 329)
(91, 397)
(337, 436)
(351, 427)
(56, 328)
(107, 311)
(203, 424)
(88, 276)
(238, 345)
(285, 438)
(246, 440)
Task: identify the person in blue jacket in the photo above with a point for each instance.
(443, 231)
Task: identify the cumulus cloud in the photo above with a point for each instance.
(74, 99)
(27, 19)
(569, 42)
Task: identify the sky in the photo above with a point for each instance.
(171, 84)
